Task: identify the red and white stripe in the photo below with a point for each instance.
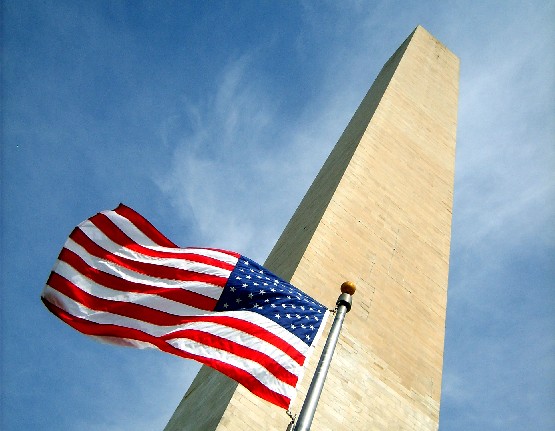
(120, 280)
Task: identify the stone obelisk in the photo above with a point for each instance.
(379, 214)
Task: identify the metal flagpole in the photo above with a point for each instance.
(313, 395)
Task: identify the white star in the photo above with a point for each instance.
(311, 327)
(298, 316)
(237, 278)
(244, 285)
(266, 300)
(302, 326)
(225, 305)
(316, 318)
(272, 290)
(302, 307)
(255, 284)
(251, 295)
(238, 300)
(277, 316)
(307, 337)
(288, 316)
(273, 305)
(246, 262)
(284, 306)
(293, 326)
(262, 292)
(248, 277)
(232, 288)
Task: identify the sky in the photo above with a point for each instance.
(211, 119)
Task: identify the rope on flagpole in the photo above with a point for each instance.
(292, 423)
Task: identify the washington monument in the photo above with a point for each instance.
(378, 213)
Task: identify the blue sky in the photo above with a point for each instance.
(211, 119)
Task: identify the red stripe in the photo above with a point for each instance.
(160, 318)
(181, 295)
(235, 373)
(144, 226)
(237, 349)
(149, 269)
(255, 331)
(231, 253)
(113, 232)
(120, 308)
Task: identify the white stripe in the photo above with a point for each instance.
(269, 325)
(224, 257)
(130, 229)
(246, 340)
(260, 373)
(139, 237)
(102, 317)
(79, 310)
(148, 300)
(205, 289)
(96, 235)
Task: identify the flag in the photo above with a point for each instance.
(120, 280)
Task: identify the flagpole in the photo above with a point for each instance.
(313, 395)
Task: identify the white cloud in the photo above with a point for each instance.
(243, 168)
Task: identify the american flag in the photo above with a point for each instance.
(120, 280)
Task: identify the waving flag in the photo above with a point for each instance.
(119, 279)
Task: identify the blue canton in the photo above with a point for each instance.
(251, 287)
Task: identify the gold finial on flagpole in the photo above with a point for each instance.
(348, 287)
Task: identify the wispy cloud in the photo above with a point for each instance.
(499, 343)
(505, 186)
(218, 168)
(240, 146)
